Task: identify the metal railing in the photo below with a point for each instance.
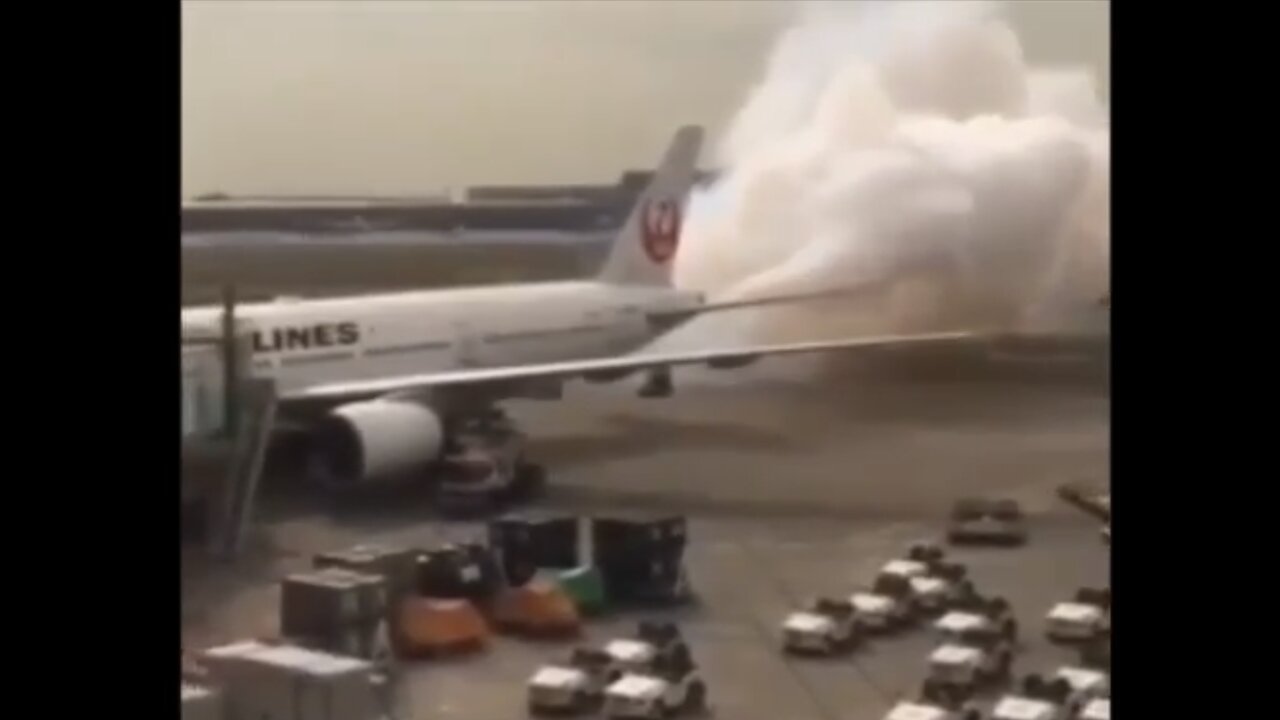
(224, 406)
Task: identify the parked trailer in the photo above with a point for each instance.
(262, 681)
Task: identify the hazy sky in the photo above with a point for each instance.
(295, 96)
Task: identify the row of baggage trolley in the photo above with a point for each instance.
(977, 642)
(649, 675)
(537, 574)
(532, 574)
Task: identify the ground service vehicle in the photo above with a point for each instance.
(949, 627)
(935, 703)
(935, 584)
(581, 683)
(1085, 618)
(932, 556)
(430, 626)
(827, 627)
(669, 689)
(1099, 709)
(536, 608)
(655, 643)
(1086, 685)
(971, 658)
(636, 696)
(926, 551)
(980, 521)
(576, 686)
(924, 711)
(995, 609)
(1013, 707)
(555, 689)
(1037, 700)
(666, 637)
(483, 468)
(889, 605)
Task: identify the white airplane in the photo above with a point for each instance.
(391, 374)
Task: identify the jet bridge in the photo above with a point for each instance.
(227, 416)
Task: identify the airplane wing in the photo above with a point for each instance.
(677, 316)
(609, 367)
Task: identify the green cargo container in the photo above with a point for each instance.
(585, 586)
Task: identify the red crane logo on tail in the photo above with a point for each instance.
(660, 230)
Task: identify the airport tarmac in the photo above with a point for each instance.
(792, 488)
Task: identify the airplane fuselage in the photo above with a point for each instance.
(301, 343)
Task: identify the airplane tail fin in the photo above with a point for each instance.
(644, 249)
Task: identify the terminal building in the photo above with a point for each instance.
(562, 208)
(271, 246)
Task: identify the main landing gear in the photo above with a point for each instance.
(657, 384)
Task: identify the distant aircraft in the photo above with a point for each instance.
(387, 378)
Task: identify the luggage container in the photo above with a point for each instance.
(367, 640)
(518, 572)
(371, 591)
(201, 703)
(535, 539)
(284, 682)
(629, 536)
(396, 565)
(648, 566)
(585, 586)
(657, 578)
(481, 573)
(318, 603)
(437, 575)
(466, 571)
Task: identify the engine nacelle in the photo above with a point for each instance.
(377, 440)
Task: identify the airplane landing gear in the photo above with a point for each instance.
(657, 384)
(485, 467)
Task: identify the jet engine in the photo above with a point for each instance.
(376, 441)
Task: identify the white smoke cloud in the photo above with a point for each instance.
(905, 149)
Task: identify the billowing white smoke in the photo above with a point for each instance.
(907, 150)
